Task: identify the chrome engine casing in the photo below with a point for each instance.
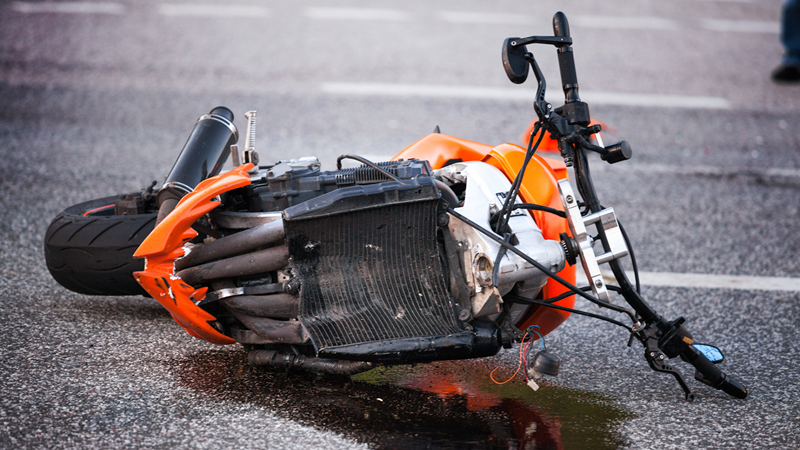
(486, 188)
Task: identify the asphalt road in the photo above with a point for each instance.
(97, 99)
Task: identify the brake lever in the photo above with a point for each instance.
(658, 361)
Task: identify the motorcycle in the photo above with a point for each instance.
(451, 250)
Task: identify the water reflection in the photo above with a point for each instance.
(445, 405)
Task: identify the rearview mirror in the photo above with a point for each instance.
(514, 61)
(709, 351)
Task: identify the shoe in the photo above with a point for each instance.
(786, 74)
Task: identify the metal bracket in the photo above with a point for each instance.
(611, 234)
(578, 229)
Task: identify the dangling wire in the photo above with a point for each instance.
(491, 374)
(531, 329)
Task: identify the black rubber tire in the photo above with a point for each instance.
(93, 254)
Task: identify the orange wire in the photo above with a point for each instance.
(521, 345)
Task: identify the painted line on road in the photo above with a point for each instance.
(506, 94)
(698, 280)
(666, 169)
(393, 15)
(624, 23)
(614, 22)
(471, 17)
(212, 10)
(369, 14)
(742, 26)
(68, 7)
(705, 281)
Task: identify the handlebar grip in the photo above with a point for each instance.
(566, 61)
(710, 374)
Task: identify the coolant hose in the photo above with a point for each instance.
(447, 194)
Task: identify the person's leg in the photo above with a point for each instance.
(790, 32)
(789, 70)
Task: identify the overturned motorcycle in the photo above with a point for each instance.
(452, 250)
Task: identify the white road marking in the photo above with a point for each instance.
(742, 26)
(624, 23)
(707, 170)
(664, 101)
(698, 280)
(604, 22)
(68, 7)
(485, 18)
(368, 14)
(212, 10)
(510, 94)
(705, 281)
(726, 1)
(615, 22)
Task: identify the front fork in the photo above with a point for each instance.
(656, 334)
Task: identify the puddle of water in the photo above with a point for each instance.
(444, 405)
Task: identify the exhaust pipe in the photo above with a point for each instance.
(262, 261)
(202, 156)
(275, 306)
(332, 366)
(244, 241)
(276, 331)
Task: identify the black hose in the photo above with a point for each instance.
(531, 207)
(447, 194)
(529, 301)
(367, 162)
(512, 193)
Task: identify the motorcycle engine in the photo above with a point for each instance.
(380, 270)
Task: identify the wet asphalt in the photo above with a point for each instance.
(93, 105)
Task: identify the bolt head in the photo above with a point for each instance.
(598, 283)
(569, 199)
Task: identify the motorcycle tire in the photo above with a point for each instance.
(89, 249)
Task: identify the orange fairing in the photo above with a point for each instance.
(539, 185)
(165, 244)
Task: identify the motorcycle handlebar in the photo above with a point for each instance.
(566, 60)
(707, 372)
(710, 374)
